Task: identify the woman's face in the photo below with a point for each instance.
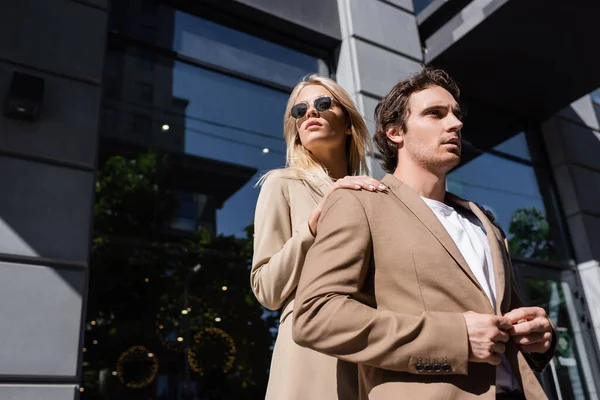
(326, 130)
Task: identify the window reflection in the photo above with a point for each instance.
(566, 366)
(208, 42)
(170, 312)
(515, 146)
(420, 5)
(219, 45)
(511, 192)
(596, 96)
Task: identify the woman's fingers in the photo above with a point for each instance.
(360, 182)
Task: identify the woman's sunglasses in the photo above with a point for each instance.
(321, 104)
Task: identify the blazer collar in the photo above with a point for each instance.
(420, 209)
(494, 242)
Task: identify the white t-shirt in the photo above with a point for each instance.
(470, 237)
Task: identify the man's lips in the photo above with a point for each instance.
(454, 142)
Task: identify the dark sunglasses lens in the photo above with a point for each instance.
(299, 110)
(323, 103)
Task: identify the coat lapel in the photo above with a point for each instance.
(495, 250)
(418, 207)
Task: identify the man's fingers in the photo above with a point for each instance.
(540, 347)
(526, 328)
(501, 337)
(525, 313)
(504, 323)
(494, 360)
(499, 348)
(533, 338)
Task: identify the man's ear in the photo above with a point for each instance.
(396, 135)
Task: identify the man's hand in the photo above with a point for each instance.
(487, 336)
(531, 329)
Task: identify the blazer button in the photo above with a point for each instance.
(446, 367)
(428, 367)
(437, 367)
(420, 367)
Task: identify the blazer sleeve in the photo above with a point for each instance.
(279, 252)
(537, 361)
(333, 316)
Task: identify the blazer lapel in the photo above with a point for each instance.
(418, 207)
(495, 250)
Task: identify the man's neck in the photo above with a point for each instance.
(424, 182)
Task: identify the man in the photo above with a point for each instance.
(415, 285)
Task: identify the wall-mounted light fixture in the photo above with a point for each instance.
(25, 97)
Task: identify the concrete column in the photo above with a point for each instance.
(572, 138)
(47, 179)
(380, 47)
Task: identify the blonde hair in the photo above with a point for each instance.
(300, 163)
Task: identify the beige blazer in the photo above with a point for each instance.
(281, 240)
(385, 286)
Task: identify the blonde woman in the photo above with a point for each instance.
(326, 145)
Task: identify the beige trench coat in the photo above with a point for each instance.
(281, 240)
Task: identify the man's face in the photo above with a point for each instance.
(433, 135)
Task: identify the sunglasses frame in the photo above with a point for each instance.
(331, 99)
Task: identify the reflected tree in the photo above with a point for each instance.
(530, 235)
(201, 326)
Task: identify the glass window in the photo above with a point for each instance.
(515, 146)
(145, 61)
(228, 48)
(142, 124)
(511, 192)
(596, 96)
(170, 312)
(420, 5)
(555, 297)
(218, 45)
(145, 93)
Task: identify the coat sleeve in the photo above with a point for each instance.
(537, 361)
(279, 252)
(333, 315)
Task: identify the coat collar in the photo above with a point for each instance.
(420, 209)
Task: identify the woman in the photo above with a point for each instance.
(326, 144)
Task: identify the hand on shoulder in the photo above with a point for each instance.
(359, 182)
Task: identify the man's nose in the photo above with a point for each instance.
(455, 124)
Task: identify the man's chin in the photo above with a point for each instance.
(451, 161)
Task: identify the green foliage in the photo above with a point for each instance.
(140, 269)
(531, 235)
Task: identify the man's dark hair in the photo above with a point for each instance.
(393, 109)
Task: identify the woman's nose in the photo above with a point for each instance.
(312, 111)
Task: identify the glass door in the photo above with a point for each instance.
(574, 371)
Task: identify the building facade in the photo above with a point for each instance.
(133, 135)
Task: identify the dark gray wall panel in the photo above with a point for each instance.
(44, 210)
(41, 308)
(379, 69)
(395, 29)
(57, 35)
(406, 4)
(67, 128)
(369, 105)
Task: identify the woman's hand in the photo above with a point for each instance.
(362, 182)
